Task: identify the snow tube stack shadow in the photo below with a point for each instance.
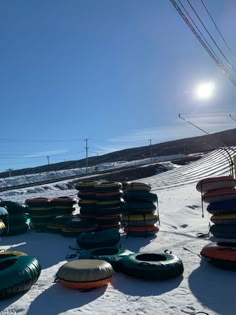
(220, 194)
(113, 255)
(153, 265)
(222, 254)
(18, 272)
(85, 274)
(104, 238)
(102, 202)
(15, 220)
(139, 216)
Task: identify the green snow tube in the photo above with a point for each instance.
(108, 186)
(110, 254)
(85, 185)
(223, 230)
(17, 229)
(153, 265)
(104, 238)
(17, 274)
(136, 186)
(14, 207)
(137, 207)
(140, 196)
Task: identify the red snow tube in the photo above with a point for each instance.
(141, 230)
(214, 183)
(219, 195)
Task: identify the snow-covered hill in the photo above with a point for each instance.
(202, 288)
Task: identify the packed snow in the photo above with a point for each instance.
(202, 289)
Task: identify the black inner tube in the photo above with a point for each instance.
(7, 263)
(150, 257)
(106, 251)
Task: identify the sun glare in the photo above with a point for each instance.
(204, 90)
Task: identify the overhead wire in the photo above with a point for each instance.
(197, 15)
(202, 38)
(217, 28)
(198, 34)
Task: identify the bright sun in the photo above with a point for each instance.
(205, 90)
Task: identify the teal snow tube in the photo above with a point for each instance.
(153, 265)
(112, 255)
(17, 274)
(104, 238)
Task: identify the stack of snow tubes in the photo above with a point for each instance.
(18, 272)
(15, 219)
(140, 215)
(101, 202)
(220, 194)
(43, 211)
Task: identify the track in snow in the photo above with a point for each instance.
(216, 163)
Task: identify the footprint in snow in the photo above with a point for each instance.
(193, 207)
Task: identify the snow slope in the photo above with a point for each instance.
(202, 288)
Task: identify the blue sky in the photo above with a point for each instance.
(117, 73)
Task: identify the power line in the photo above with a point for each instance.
(230, 115)
(195, 30)
(193, 124)
(217, 27)
(226, 59)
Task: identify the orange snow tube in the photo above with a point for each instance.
(222, 254)
(85, 274)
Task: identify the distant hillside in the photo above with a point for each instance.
(203, 143)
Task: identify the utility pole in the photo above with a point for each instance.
(86, 159)
(48, 157)
(150, 145)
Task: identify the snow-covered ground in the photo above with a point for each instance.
(201, 288)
